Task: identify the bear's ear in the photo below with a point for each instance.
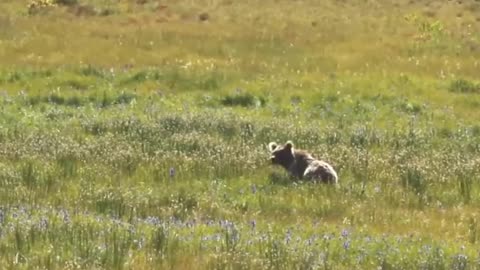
(272, 146)
(289, 146)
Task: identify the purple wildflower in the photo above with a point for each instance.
(254, 189)
(346, 244)
(210, 222)
(288, 236)
(43, 224)
(65, 216)
(155, 221)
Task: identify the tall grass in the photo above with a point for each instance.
(133, 135)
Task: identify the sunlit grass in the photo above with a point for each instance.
(133, 134)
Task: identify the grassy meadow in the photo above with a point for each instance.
(133, 134)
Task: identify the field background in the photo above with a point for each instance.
(133, 134)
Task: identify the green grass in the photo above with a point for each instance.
(134, 135)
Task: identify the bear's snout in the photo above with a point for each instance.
(272, 159)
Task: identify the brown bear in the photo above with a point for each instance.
(301, 164)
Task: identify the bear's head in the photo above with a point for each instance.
(282, 155)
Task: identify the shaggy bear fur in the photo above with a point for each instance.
(301, 164)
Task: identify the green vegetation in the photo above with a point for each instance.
(133, 134)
